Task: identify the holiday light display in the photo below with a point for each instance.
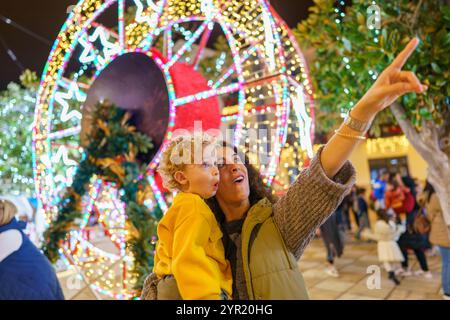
(16, 110)
(266, 86)
(397, 144)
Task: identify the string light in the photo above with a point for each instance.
(260, 90)
(62, 98)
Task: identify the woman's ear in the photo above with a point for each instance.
(181, 178)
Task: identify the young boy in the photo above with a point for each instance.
(189, 247)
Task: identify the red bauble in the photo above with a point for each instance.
(188, 81)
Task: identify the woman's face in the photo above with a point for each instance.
(233, 183)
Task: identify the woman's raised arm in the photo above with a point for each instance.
(390, 85)
(321, 187)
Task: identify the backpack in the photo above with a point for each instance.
(409, 202)
(421, 224)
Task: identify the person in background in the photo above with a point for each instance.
(25, 273)
(379, 187)
(394, 198)
(412, 240)
(346, 205)
(433, 248)
(333, 241)
(408, 181)
(354, 203)
(29, 228)
(25, 216)
(386, 234)
(363, 213)
(409, 203)
(439, 234)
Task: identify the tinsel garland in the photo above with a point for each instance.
(111, 155)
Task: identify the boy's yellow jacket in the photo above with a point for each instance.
(190, 248)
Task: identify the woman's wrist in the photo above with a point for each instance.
(357, 123)
(362, 112)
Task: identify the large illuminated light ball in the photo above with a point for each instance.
(158, 62)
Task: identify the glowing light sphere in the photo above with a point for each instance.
(260, 81)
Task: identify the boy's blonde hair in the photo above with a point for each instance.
(179, 152)
(7, 211)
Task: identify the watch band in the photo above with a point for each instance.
(355, 124)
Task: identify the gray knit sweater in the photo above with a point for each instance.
(309, 201)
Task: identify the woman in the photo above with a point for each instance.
(263, 238)
(268, 238)
(394, 198)
(439, 233)
(411, 240)
(25, 274)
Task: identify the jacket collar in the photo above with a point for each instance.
(258, 213)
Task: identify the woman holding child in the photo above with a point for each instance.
(262, 238)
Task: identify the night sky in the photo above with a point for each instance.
(45, 18)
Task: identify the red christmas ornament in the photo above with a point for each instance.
(188, 81)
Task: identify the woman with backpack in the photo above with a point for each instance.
(415, 239)
(439, 233)
(401, 201)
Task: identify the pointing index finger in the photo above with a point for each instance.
(403, 56)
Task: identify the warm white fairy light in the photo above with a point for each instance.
(261, 49)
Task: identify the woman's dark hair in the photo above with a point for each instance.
(258, 190)
(382, 215)
(393, 181)
(360, 191)
(429, 189)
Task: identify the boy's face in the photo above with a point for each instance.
(201, 179)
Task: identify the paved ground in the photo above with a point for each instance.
(352, 282)
(350, 285)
